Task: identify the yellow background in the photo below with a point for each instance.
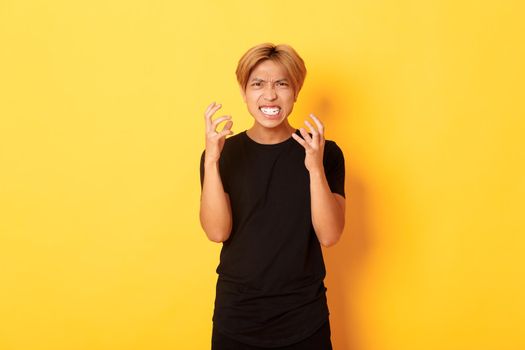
(101, 130)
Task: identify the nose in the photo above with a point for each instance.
(269, 93)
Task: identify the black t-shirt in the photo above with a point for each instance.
(270, 290)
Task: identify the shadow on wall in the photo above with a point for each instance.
(334, 102)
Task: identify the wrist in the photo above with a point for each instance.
(211, 162)
(316, 172)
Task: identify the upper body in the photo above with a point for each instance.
(271, 268)
(273, 195)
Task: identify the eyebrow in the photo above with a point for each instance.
(278, 80)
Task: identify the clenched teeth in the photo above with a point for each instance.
(270, 110)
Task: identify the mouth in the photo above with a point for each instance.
(270, 111)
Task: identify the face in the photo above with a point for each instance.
(269, 95)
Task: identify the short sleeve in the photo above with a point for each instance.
(202, 168)
(334, 163)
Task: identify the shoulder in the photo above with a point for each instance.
(233, 148)
(233, 145)
(234, 140)
(230, 144)
(331, 148)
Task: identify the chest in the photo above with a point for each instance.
(277, 178)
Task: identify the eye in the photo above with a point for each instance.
(257, 83)
(282, 83)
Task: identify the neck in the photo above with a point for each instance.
(264, 135)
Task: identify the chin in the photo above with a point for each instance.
(270, 124)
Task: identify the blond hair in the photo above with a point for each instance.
(282, 54)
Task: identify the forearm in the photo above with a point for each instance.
(328, 216)
(215, 211)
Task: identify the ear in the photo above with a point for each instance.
(243, 93)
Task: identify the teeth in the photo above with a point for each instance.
(270, 110)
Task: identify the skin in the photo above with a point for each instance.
(215, 208)
(269, 85)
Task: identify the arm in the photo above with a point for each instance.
(215, 209)
(328, 209)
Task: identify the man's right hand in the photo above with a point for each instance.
(215, 140)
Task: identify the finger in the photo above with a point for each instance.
(209, 106)
(225, 133)
(305, 135)
(208, 109)
(300, 140)
(219, 120)
(227, 126)
(212, 108)
(315, 134)
(320, 125)
(211, 111)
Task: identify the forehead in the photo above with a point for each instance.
(269, 69)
